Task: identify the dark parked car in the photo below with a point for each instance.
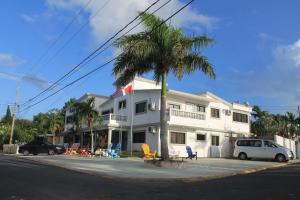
(36, 147)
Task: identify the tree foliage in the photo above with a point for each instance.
(268, 124)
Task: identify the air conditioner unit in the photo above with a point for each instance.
(152, 129)
(228, 112)
(152, 106)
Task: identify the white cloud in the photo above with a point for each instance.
(9, 60)
(9, 76)
(278, 81)
(34, 80)
(27, 18)
(117, 13)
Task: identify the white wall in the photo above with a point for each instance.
(224, 123)
(203, 148)
(288, 143)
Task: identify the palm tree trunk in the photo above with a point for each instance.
(163, 119)
(92, 140)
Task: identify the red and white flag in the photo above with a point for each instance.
(123, 91)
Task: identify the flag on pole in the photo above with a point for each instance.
(123, 91)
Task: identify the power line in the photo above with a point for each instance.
(105, 48)
(111, 45)
(90, 55)
(106, 63)
(59, 36)
(75, 34)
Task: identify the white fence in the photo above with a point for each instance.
(288, 143)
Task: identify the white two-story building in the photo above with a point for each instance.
(131, 116)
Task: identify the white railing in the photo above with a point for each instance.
(110, 117)
(185, 114)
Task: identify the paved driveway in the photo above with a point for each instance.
(136, 168)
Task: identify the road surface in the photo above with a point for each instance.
(29, 180)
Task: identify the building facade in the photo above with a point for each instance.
(131, 116)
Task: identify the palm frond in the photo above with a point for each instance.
(195, 62)
(197, 43)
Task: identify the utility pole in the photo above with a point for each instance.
(298, 125)
(14, 115)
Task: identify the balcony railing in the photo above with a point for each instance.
(110, 117)
(185, 114)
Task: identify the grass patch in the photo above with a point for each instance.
(126, 154)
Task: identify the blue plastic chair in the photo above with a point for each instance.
(190, 153)
(115, 153)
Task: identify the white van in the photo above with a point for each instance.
(265, 149)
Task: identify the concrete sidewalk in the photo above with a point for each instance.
(204, 168)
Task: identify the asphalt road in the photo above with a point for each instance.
(29, 180)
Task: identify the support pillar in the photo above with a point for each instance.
(109, 137)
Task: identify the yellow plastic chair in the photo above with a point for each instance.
(147, 152)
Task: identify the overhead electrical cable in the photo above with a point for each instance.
(106, 63)
(89, 56)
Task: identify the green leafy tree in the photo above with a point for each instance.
(92, 117)
(25, 130)
(4, 133)
(7, 119)
(161, 49)
(79, 116)
(55, 122)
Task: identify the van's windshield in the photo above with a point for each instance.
(269, 144)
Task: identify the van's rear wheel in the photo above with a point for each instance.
(243, 156)
(280, 158)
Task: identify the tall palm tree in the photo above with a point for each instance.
(160, 49)
(91, 116)
(55, 122)
(79, 116)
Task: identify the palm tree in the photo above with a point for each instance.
(91, 116)
(55, 122)
(78, 118)
(160, 49)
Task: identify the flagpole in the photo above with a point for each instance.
(131, 121)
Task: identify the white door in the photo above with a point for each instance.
(256, 149)
(269, 150)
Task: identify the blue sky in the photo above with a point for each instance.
(256, 53)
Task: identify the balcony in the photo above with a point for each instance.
(185, 118)
(185, 114)
(111, 119)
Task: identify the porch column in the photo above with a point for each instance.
(158, 142)
(120, 137)
(109, 137)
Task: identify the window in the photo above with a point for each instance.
(141, 107)
(269, 144)
(243, 143)
(174, 106)
(106, 112)
(249, 143)
(215, 112)
(201, 137)
(72, 110)
(70, 119)
(256, 143)
(239, 117)
(139, 137)
(122, 104)
(190, 107)
(200, 108)
(177, 138)
(214, 140)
